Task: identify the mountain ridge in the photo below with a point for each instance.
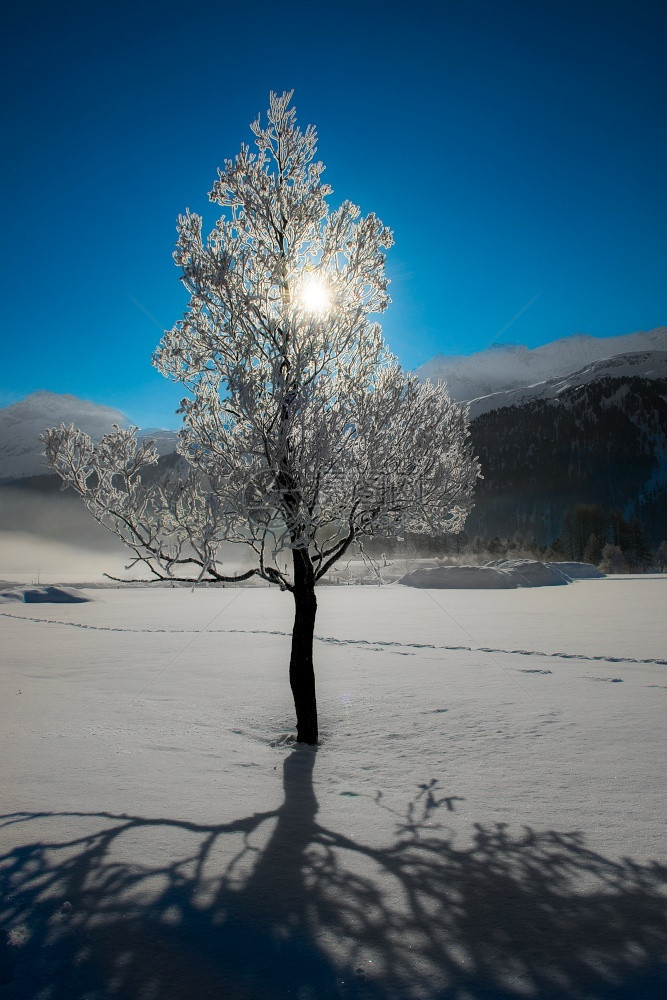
(602, 443)
(21, 423)
(510, 366)
(644, 364)
(593, 431)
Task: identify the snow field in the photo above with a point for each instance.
(464, 829)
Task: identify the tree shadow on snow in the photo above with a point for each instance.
(313, 914)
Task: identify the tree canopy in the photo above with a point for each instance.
(300, 430)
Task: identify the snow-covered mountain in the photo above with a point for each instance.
(647, 364)
(491, 379)
(21, 424)
(503, 368)
(597, 437)
(581, 420)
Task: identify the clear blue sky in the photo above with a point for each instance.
(515, 148)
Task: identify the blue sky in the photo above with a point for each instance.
(517, 149)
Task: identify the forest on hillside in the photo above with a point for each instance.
(604, 443)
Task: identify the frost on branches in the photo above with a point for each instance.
(301, 432)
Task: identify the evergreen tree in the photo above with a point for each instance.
(661, 556)
(593, 550)
(639, 555)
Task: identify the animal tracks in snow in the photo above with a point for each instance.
(372, 645)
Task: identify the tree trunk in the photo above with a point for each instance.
(301, 673)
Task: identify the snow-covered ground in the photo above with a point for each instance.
(484, 817)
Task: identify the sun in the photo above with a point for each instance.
(315, 295)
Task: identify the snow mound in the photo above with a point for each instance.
(459, 578)
(578, 570)
(10, 596)
(43, 595)
(504, 574)
(531, 573)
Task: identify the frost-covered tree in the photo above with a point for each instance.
(301, 433)
(613, 559)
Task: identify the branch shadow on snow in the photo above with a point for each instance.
(313, 914)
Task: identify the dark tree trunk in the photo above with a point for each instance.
(301, 673)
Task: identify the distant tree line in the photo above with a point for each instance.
(605, 538)
(589, 533)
